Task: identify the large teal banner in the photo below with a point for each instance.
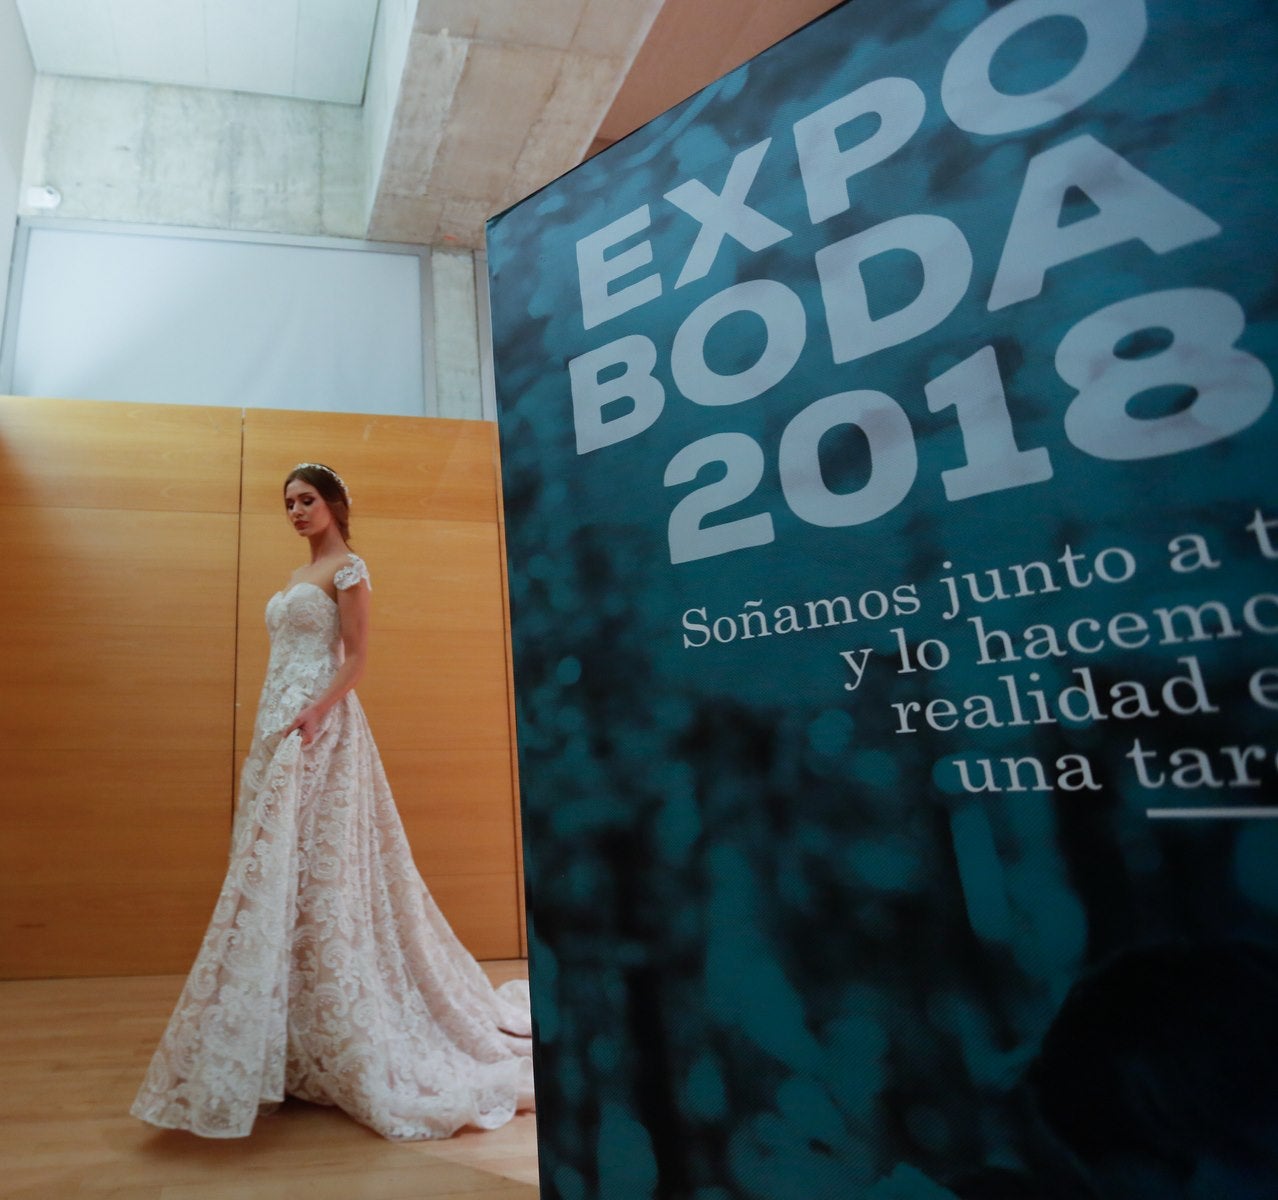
(891, 478)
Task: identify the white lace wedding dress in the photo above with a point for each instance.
(327, 971)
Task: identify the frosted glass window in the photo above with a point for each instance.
(190, 320)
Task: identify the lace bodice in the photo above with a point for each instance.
(306, 646)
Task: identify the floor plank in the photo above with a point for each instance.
(72, 1054)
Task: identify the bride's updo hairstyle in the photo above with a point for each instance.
(332, 491)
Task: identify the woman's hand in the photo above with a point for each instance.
(307, 723)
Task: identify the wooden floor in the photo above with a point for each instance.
(72, 1054)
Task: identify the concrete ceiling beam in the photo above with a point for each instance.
(496, 100)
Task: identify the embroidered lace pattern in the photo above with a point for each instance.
(327, 971)
(349, 575)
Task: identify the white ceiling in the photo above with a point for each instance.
(310, 49)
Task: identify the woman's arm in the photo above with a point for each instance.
(352, 610)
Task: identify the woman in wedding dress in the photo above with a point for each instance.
(327, 972)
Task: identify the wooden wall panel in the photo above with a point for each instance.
(116, 687)
(459, 797)
(105, 566)
(409, 467)
(90, 454)
(481, 909)
(520, 889)
(424, 517)
(134, 649)
(119, 534)
(111, 859)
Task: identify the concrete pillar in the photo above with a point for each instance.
(17, 80)
(457, 372)
(391, 36)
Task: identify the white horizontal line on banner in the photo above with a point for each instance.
(1219, 814)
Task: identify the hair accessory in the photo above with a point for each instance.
(341, 483)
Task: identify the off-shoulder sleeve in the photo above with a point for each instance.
(351, 574)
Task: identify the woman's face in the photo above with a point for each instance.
(306, 508)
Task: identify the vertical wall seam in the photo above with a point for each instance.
(15, 284)
(516, 809)
(430, 350)
(484, 337)
(239, 574)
